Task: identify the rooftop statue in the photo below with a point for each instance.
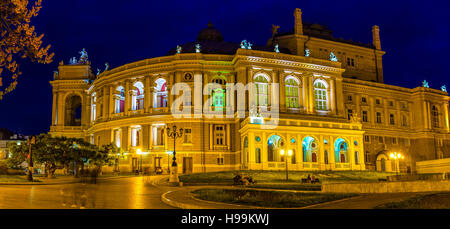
(246, 45)
(333, 57)
(355, 118)
(98, 71)
(425, 84)
(73, 60)
(444, 88)
(275, 30)
(197, 48)
(106, 66)
(307, 52)
(83, 57)
(179, 49)
(276, 49)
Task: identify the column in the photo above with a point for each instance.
(228, 137)
(282, 97)
(127, 97)
(109, 106)
(305, 90)
(211, 136)
(147, 94)
(340, 98)
(60, 109)
(311, 94)
(54, 108)
(446, 119)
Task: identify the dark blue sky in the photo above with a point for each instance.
(414, 34)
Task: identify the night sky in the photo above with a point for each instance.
(414, 34)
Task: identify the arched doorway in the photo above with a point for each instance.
(310, 149)
(274, 144)
(73, 111)
(341, 151)
(383, 162)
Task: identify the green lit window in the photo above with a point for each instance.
(320, 96)
(292, 92)
(262, 90)
(218, 99)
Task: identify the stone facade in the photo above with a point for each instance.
(331, 115)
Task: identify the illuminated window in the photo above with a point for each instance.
(349, 114)
(117, 137)
(160, 93)
(119, 99)
(435, 116)
(320, 95)
(137, 98)
(364, 100)
(357, 157)
(379, 117)
(158, 135)
(219, 134)
(377, 101)
(220, 160)
(292, 92)
(93, 106)
(136, 136)
(365, 116)
(258, 155)
(187, 136)
(262, 90)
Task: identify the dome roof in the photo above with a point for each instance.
(209, 34)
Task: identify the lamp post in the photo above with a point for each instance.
(289, 153)
(174, 134)
(396, 156)
(30, 160)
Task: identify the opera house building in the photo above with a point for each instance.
(317, 101)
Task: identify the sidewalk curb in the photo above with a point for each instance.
(180, 205)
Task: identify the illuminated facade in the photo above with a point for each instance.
(334, 111)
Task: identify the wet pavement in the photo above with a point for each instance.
(124, 193)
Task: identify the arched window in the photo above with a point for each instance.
(310, 149)
(258, 155)
(137, 96)
(292, 92)
(73, 111)
(435, 116)
(119, 100)
(274, 145)
(320, 95)
(262, 90)
(340, 151)
(93, 106)
(160, 94)
(219, 94)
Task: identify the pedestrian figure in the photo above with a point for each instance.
(309, 178)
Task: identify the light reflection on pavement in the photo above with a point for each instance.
(123, 193)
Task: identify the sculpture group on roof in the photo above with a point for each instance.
(84, 59)
(333, 57)
(246, 45)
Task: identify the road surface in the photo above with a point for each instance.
(123, 193)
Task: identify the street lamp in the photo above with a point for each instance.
(174, 134)
(139, 152)
(289, 153)
(396, 156)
